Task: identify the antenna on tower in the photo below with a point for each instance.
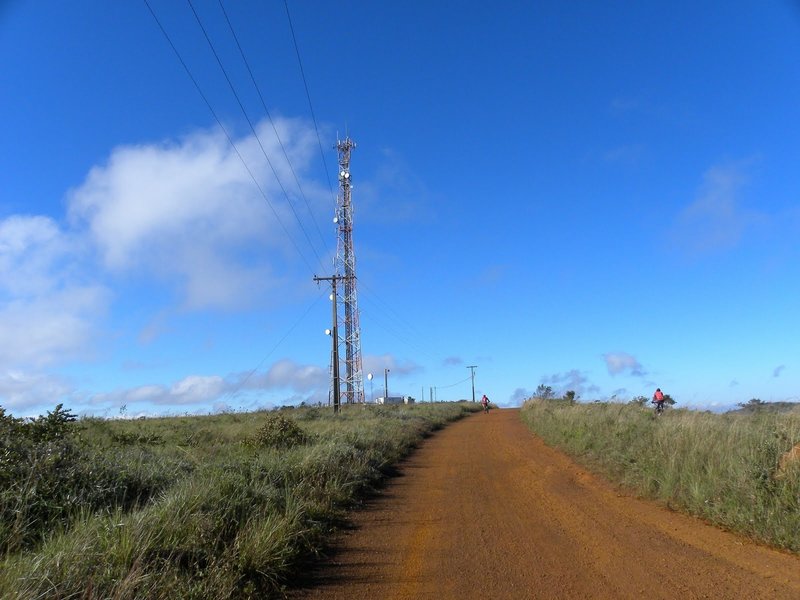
(345, 267)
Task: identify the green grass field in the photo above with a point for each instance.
(723, 468)
(224, 506)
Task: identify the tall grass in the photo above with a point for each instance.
(237, 520)
(723, 468)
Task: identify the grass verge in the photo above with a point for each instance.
(722, 468)
(239, 501)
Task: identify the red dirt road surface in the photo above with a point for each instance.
(485, 510)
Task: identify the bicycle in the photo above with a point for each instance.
(659, 408)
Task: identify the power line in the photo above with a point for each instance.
(308, 96)
(253, 129)
(227, 135)
(247, 377)
(233, 145)
(444, 387)
(319, 140)
(397, 321)
(375, 319)
(388, 307)
(269, 116)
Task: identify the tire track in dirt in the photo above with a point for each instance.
(485, 510)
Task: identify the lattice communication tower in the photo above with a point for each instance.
(352, 381)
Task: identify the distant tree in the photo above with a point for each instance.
(570, 396)
(640, 400)
(544, 392)
(753, 405)
(668, 400)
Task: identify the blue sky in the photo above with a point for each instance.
(602, 197)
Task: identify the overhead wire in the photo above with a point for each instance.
(274, 128)
(322, 154)
(444, 387)
(387, 309)
(253, 129)
(240, 384)
(227, 135)
(230, 394)
(412, 345)
(308, 96)
(395, 333)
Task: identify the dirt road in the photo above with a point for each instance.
(485, 510)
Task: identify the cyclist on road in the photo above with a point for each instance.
(658, 400)
(485, 403)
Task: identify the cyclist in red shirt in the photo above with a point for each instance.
(658, 400)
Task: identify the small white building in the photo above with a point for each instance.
(395, 400)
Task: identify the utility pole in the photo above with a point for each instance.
(386, 386)
(472, 370)
(335, 341)
(345, 267)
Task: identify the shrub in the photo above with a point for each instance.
(48, 477)
(279, 432)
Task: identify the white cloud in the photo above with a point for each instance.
(48, 313)
(52, 329)
(621, 362)
(629, 154)
(491, 276)
(308, 382)
(625, 104)
(377, 363)
(196, 389)
(31, 249)
(715, 220)
(186, 213)
(395, 184)
(290, 375)
(191, 390)
(519, 396)
(22, 391)
(574, 380)
(190, 213)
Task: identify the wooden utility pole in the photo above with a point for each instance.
(335, 341)
(472, 369)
